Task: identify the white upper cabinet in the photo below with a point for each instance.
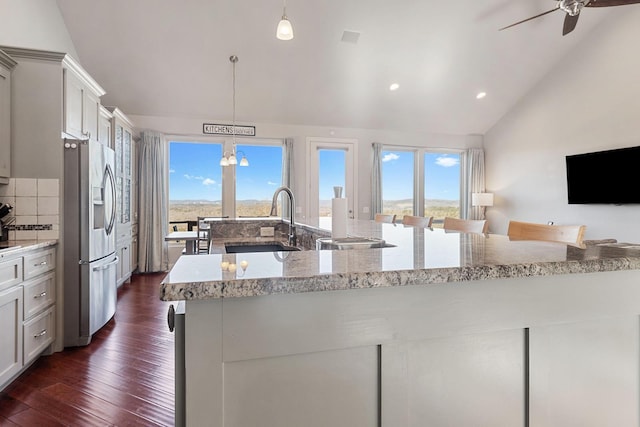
(6, 65)
(81, 103)
(104, 127)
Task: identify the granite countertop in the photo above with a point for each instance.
(419, 257)
(11, 248)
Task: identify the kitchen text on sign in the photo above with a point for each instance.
(215, 129)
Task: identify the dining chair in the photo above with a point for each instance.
(203, 239)
(417, 221)
(466, 225)
(385, 218)
(572, 235)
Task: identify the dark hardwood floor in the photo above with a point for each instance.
(123, 378)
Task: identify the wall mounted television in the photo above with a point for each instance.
(604, 177)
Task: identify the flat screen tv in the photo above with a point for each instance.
(604, 177)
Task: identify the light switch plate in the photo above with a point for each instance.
(267, 232)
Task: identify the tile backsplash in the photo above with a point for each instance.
(35, 206)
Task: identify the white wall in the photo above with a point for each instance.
(589, 102)
(35, 24)
(193, 127)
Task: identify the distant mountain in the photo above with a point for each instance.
(195, 202)
(402, 202)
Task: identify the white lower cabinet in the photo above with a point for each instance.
(27, 309)
(39, 332)
(11, 337)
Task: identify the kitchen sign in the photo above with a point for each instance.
(216, 129)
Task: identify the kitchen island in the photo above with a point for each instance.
(441, 329)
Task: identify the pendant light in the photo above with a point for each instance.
(229, 158)
(285, 30)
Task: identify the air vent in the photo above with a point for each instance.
(350, 37)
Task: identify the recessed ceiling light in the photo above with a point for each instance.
(481, 95)
(394, 86)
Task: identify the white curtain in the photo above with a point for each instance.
(475, 182)
(376, 180)
(287, 169)
(152, 251)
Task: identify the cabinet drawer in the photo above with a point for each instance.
(39, 263)
(39, 294)
(39, 332)
(10, 273)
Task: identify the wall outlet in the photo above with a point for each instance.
(267, 232)
(365, 209)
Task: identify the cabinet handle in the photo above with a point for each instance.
(171, 318)
(40, 264)
(43, 294)
(41, 333)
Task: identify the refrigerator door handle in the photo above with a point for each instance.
(109, 176)
(106, 266)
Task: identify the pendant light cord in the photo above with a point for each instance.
(233, 60)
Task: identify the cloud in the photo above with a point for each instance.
(172, 171)
(199, 178)
(272, 183)
(390, 156)
(447, 162)
(208, 181)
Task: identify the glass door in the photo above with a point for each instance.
(332, 164)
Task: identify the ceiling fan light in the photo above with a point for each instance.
(284, 30)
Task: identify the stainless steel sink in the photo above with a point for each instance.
(258, 247)
(346, 243)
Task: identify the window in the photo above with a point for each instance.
(195, 181)
(331, 164)
(397, 182)
(442, 185)
(256, 183)
(421, 182)
(199, 186)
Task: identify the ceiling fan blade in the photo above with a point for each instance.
(529, 19)
(605, 3)
(569, 23)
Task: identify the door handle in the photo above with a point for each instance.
(106, 266)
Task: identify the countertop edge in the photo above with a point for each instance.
(363, 280)
(26, 246)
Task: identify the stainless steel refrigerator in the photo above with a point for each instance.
(90, 261)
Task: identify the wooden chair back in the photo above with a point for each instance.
(572, 235)
(385, 218)
(417, 221)
(466, 225)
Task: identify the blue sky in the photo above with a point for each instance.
(442, 175)
(195, 172)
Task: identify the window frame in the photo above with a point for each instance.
(228, 175)
(419, 172)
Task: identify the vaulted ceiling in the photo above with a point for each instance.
(171, 58)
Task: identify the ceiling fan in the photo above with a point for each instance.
(572, 9)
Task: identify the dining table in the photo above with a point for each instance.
(190, 239)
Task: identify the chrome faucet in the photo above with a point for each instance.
(292, 208)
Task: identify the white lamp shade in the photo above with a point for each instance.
(244, 161)
(482, 199)
(232, 159)
(285, 30)
(224, 161)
